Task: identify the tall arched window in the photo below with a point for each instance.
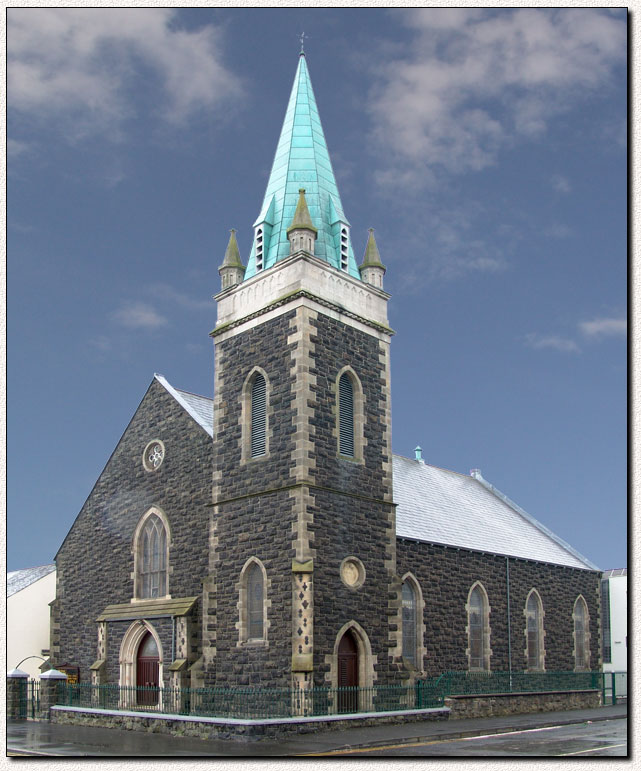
(534, 631)
(258, 416)
(346, 415)
(255, 605)
(409, 623)
(478, 629)
(151, 558)
(581, 624)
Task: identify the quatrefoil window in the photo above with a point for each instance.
(153, 455)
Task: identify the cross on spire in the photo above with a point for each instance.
(302, 42)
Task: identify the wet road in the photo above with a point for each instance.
(604, 739)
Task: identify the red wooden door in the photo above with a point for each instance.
(347, 674)
(147, 671)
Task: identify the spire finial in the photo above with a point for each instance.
(302, 43)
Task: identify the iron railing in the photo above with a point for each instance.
(260, 703)
(251, 703)
(483, 683)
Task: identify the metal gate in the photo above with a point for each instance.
(29, 699)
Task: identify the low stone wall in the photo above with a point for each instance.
(221, 728)
(491, 705)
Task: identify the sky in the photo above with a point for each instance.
(488, 150)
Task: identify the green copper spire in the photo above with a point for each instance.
(232, 254)
(302, 218)
(372, 258)
(302, 161)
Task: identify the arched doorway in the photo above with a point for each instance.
(348, 673)
(147, 671)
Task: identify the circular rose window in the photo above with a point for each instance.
(153, 455)
(352, 572)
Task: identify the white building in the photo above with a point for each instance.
(29, 593)
(614, 625)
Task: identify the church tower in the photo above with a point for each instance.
(302, 587)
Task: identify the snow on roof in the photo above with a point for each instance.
(453, 509)
(615, 573)
(445, 507)
(17, 580)
(200, 408)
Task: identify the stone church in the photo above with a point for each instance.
(268, 536)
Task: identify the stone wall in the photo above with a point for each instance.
(217, 728)
(446, 575)
(95, 563)
(253, 511)
(520, 703)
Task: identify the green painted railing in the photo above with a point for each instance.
(260, 703)
(480, 683)
(251, 703)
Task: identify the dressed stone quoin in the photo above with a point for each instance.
(268, 536)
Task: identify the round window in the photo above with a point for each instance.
(153, 455)
(352, 572)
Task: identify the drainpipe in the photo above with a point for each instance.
(509, 634)
(173, 639)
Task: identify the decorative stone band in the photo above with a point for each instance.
(307, 485)
(299, 294)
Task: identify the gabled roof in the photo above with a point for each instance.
(447, 508)
(200, 408)
(301, 161)
(17, 580)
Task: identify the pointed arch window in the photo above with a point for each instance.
(534, 653)
(258, 416)
(255, 592)
(478, 626)
(151, 551)
(409, 602)
(253, 603)
(346, 415)
(581, 634)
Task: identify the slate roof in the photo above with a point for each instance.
(615, 573)
(17, 580)
(444, 507)
(200, 408)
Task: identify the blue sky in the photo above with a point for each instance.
(486, 147)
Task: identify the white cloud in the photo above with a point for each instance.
(16, 148)
(557, 230)
(475, 81)
(561, 184)
(167, 293)
(555, 342)
(597, 328)
(75, 66)
(138, 315)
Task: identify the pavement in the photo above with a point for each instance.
(36, 738)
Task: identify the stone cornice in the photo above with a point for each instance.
(301, 293)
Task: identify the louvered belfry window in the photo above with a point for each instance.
(255, 603)
(258, 416)
(346, 415)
